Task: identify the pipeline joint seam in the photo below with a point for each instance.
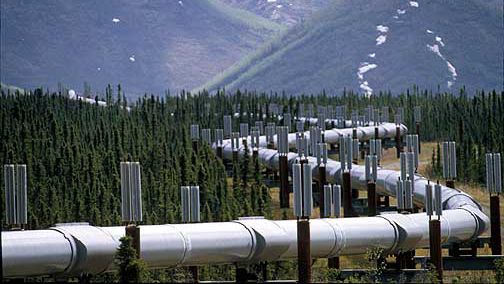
(73, 247)
(476, 220)
(186, 244)
(252, 237)
(397, 237)
(334, 250)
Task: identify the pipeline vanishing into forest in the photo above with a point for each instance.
(71, 249)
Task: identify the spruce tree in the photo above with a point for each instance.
(130, 267)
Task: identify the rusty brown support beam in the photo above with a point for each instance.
(304, 251)
(410, 262)
(386, 201)
(195, 146)
(371, 191)
(235, 156)
(435, 247)
(133, 231)
(264, 271)
(284, 182)
(450, 183)
(333, 262)
(355, 193)
(347, 195)
(195, 273)
(362, 150)
(495, 225)
(322, 181)
(241, 274)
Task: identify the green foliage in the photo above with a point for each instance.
(130, 266)
(499, 270)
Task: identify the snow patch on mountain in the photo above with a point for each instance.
(453, 72)
(382, 29)
(364, 85)
(366, 66)
(381, 39)
(368, 91)
(440, 41)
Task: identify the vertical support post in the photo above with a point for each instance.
(371, 188)
(322, 183)
(398, 141)
(435, 246)
(450, 183)
(418, 118)
(494, 187)
(195, 273)
(495, 225)
(347, 195)
(284, 182)
(302, 180)
(304, 251)
(283, 150)
(133, 231)
(241, 274)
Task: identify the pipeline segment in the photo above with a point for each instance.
(70, 249)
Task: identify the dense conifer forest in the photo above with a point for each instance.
(72, 150)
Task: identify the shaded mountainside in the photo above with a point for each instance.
(147, 46)
(285, 12)
(369, 46)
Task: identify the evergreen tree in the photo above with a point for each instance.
(130, 266)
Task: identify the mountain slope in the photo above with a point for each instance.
(285, 12)
(380, 45)
(147, 46)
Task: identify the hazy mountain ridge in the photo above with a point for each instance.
(327, 51)
(147, 46)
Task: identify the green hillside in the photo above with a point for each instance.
(147, 46)
(326, 52)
